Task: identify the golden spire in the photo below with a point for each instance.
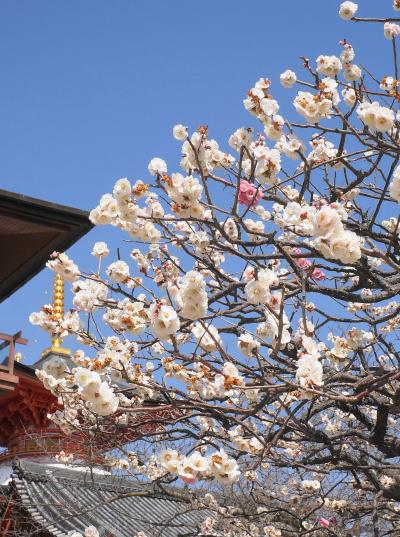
(58, 311)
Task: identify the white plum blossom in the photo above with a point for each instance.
(241, 138)
(57, 367)
(375, 116)
(207, 337)
(247, 344)
(201, 152)
(288, 78)
(164, 321)
(389, 84)
(127, 316)
(328, 90)
(225, 469)
(352, 72)
(100, 249)
(262, 212)
(347, 10)
(170, 460)
(99, 396)
(309, 371)
(269, 106)
(274, 127)
(185, 193)
(105, 212)
(180, 132)
(329, 66)
(200, 240)
(295, 216)
(90, 531)
(391, 30)
(196, 466)
(291, 146)
(311, 485)
(104, 401)
(259, 101)
(394, 187)
(271, 531)
(157, 166)
(268, 164)
(345, 246)
(122, 189)
(313, 108)
(64, 458)
(118, 271)
(275, 327)
(258, 289)
(139, 189)
(231, 229)
(63, 265)
(89, 294)
(349, 96)
(88, 381)
(193, 296)
(347, 55)
(325, 221)
(324, 151)
(54, 324)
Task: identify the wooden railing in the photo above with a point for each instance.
(7, 378)
(33, 444)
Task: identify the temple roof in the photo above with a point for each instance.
(30, 230)
(62, 499)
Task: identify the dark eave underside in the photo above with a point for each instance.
(30, 230)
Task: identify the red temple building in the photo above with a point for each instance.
(30, 230)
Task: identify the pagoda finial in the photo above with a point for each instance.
(58, 312)
(58, 295)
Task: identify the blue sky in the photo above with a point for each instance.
(91, 90)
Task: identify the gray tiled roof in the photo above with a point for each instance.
(63, 499)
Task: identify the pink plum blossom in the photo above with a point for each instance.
(324, 522)
(318, 274)
(189, 480)
(248, 193)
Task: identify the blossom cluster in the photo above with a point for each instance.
(218, 465)
(99, 396)
(324, 223)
